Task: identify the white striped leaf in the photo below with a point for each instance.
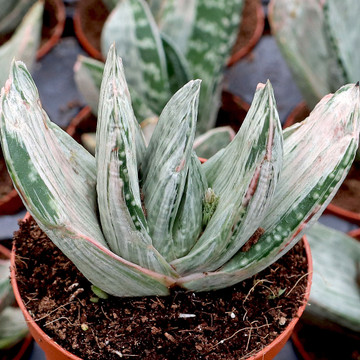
(134, 31)
(24, 42)
(334, 292)
(299, 28)
(209, 143)
(317, 156)
(188, 222)
(56, 177)
(166, 165)
(13, 327)
(213, 35)
(123, 221)
(12, 12)
(341, 19)
(244, 177)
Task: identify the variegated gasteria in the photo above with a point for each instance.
(165, 219)
(164, 44)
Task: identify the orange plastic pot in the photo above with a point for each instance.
(54, 351)
(60, 15)
(299, 113)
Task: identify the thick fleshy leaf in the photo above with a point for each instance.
(335, 292)
(24, 42)
(56, 178)
(88, 75)
(12, 12)
(341, 19)
(188, 222)
(317, 156)
(299, 28)
(244, 178)
(134, 31)
(177, 67)
(6, 293)
(166, 165)
(122, 218)
(213, 35)
(13, 327)
(209, 143)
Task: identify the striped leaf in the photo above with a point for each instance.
(317, 157)
(341, 19)
(213, 35)
(334, 292)
(166, 165)
(56, 179)
(299, 28)
(6, 294)
(12, 12)
(244, 177)
(209, 143)
(133, 29)
(24, 42)
(13, 327)
(188, 222)
(122, 218)
(177, 66)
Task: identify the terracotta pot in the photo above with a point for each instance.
(60, 15)
(24, 345)
(53, 351)
(238, 53)
(10, 203)
(299, 113)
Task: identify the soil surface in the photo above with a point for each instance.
(228, 324)
(348, 196)
(6, 184)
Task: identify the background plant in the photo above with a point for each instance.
(159, 58)
(319, 39)
(165, 219)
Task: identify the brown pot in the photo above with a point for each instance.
(24, 345)
(54, 351)
(248, 36)
(299, 113)
(53, 8)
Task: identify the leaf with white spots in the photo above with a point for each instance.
(122, 218)
(24, 43)
(166, 165)
(137, 39)
(56, 178)
(244, 178)
(317, 157)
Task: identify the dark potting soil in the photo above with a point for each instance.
(6, 184)
(227, 324)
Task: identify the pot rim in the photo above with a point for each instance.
(275, 346)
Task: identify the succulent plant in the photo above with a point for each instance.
(319, 41)
(12, 324)
(159, 59)
(25, 41)
(335, 286)
(138, 220)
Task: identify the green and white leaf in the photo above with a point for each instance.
(24, 42)
(6, 293)
(166, 165)
(299, 28)
(12, 12)
(317, 157)
(334, 292)
(244, 178)
(122, 218)
(134, 31)
(209, 143)
(13, 327)
(56, 178)
(341, 19)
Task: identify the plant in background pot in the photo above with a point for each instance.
(142, 221)
(319, 41)
(13, 328)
